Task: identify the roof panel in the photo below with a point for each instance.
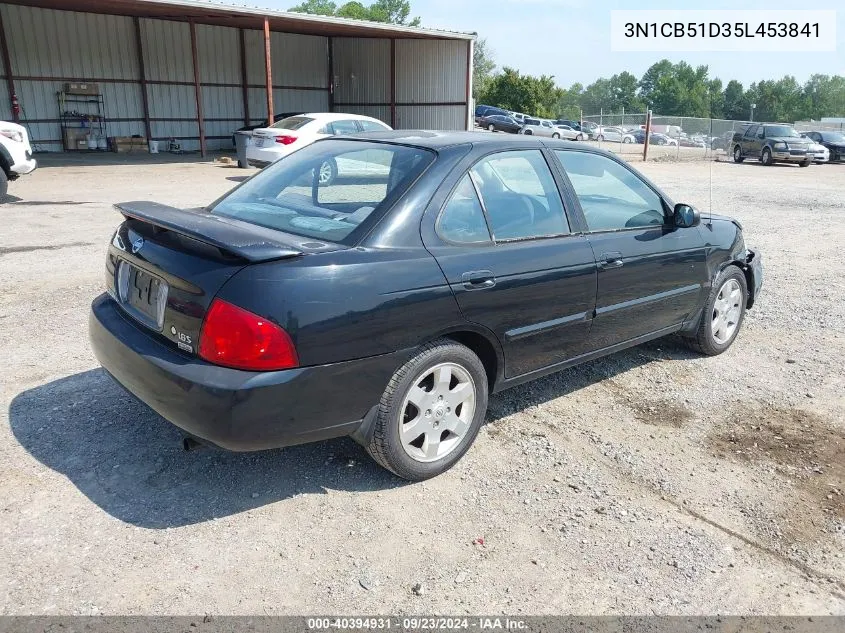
(207, 12)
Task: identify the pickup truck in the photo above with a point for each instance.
(771, 143)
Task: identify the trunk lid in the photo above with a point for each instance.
(165, 265)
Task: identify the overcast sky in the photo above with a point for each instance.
(570, 39)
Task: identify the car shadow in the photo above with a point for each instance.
(129, 461)
(237, 178)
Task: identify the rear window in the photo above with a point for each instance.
(292, 123)
(330, 190)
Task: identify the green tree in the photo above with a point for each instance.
(389, 11)
(623, 93)
(483, 68)
(716, 98)
(734, 101)
(523, 93)
(316, 7)
(569, 102)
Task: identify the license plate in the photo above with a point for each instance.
(258, 142)
(144, 294)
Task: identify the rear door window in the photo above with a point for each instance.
(373, 126)
(519, 195)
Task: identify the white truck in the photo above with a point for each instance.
(15, 155)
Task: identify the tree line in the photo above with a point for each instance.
(668, 89)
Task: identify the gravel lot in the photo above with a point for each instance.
(653, 481)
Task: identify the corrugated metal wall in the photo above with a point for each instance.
(50, 47)
(430, 81)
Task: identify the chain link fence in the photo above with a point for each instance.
(673, 137)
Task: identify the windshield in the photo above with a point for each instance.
(781, 130)
(328, 189)
(833, 137)
(292, 123)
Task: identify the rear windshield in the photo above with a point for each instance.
(292, 123)
(328, 189)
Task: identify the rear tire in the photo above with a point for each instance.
(806, 163)
(600, 137)
(528, 133)
(580, 137)
(766, 157)
(4, 185)
(738, 158)
(328, 173)
(556, 135)
(491, 128)
(419, 400)
(723, 314)
(626, 139)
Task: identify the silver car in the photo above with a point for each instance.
(564, 131)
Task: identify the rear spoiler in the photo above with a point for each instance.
(247, 241)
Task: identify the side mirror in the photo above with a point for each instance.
(685, 216)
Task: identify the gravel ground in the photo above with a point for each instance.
(652, 481)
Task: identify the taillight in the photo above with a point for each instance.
(234, 337)
(286, 140)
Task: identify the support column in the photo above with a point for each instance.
(198, 88)
(470, 114)
(268, 66)
(145, 99)
(393, 83)
(331, 74)
(244, 80)
(7, 64)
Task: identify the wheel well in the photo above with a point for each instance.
(482, 348)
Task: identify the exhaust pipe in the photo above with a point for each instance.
(190, 445)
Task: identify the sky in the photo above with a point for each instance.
(570, 39)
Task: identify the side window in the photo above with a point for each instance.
(326, 129)
(346, 126)
(611, 196)
(815, 136)
(520, 195)
(462, 219)
(761, 133)
(751, 132)
(372, 126)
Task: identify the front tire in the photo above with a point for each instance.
(580, 137)
(430, 412)
(723, 314)
(806, 163)
(600, 138)
(556, 135)
(626, 139)
(738, 158)
(491, 128)
(766, 157)
(4, 184)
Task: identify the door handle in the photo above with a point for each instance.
(478, 279)
(611, 260)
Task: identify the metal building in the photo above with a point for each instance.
(195, 70)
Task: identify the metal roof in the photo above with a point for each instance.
(222, 14)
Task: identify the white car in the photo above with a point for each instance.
(15, 154)
(269, 144)
(564, 131)
(820, 153)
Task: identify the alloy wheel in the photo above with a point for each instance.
(727, 311)
(325, 173)
(437, 412)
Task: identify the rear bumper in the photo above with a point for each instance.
(233, 409)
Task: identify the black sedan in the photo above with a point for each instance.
(500, 123)
(833, 141)
(388, 304)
